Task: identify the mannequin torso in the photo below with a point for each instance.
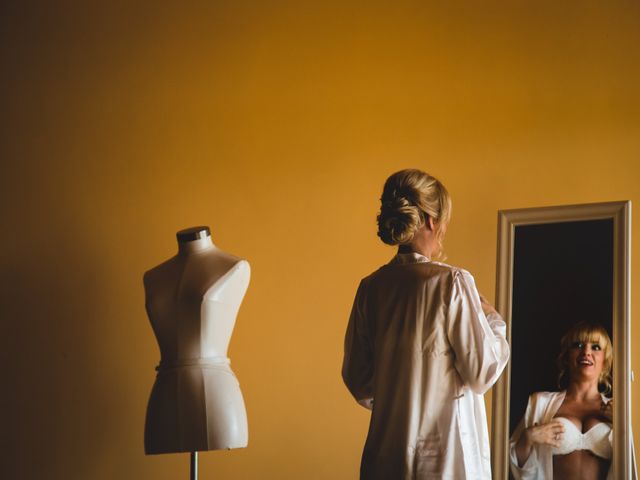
(192, 301)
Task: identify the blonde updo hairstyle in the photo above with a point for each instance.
(586, 332)
(409, 197)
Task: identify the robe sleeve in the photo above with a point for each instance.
(357, 366)
(532, 467)
(479, 342)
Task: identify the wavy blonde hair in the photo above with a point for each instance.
(592, 333)
(409, 197)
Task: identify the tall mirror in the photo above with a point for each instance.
(558, 266)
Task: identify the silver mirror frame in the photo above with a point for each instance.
(508, 220)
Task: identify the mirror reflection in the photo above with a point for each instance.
(568, 433)
(562, 285)
(562, 277)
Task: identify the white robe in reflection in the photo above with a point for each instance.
(421, 353)
(541, 408)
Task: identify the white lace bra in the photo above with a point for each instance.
(596, 439)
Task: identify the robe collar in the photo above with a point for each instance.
(557, 400)
(408, 258)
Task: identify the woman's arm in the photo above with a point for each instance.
(528, 460)
(546, 434)
(357, 365)
(478, 340)
(523, 448)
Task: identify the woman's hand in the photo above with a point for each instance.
(487, 308)
(546, 434)
(607, 411)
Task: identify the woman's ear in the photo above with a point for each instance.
(431, 225)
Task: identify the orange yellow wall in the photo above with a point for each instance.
(275, 123)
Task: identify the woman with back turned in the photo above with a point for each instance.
(422, 346)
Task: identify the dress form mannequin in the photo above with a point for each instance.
(192, 300)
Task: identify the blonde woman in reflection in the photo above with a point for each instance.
(567, 434)
(422, 347)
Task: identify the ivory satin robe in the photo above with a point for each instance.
(420, 353)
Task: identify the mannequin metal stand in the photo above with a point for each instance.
(194, 466)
